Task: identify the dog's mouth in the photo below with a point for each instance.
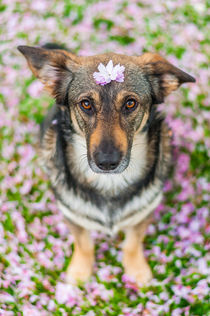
(111, 170)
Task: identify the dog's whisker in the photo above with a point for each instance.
(81, 160)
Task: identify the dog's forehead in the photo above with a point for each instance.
(91, 63)
(134, 79)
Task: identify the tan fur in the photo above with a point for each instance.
(172, 77)
(94, 95)
(96, 98)
(33, 69)
(121, 95)
(150, 58)
(134, 262)
(81, 266)
(96, 136)
(120, 138)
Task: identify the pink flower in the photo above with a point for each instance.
(31, 310)
(108, 73)
(35, 89)
(6, 297)
(67, 293)
(39, 5)
(51, 305)
(183, 162)
(90, 313)
(26, 188)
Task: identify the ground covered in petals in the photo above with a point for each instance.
(35, 244)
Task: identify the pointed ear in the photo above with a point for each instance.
(163, 76)
(55, 68)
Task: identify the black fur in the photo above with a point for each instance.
(65, 131)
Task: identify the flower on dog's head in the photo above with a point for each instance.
(108, 73)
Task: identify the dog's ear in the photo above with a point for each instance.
(55, 68)
(163, 76)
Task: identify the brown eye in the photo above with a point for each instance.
(87, 107)
(85, 104)
(129, 106)
(130, 103)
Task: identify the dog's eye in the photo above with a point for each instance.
(130, 105)
(86, 106)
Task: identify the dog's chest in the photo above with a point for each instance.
(102, 201)
(112, 214)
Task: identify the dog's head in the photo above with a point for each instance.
(108, 116)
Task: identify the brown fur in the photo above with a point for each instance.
(107, 202)
(96, 136)
(120, 138)
(134, 261)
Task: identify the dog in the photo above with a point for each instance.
(105, 147)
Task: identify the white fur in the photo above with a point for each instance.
(140, 202)
(138, 216)
(48, 74)
(143, 205)
(81, 207)
(81, 220)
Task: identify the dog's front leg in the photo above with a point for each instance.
(134, 262)
(81, 266)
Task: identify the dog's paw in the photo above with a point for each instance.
(77, 274)
(141, 275)
(139, 271)
(79, 271)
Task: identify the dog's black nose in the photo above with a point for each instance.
(107, 161)
(107, 157)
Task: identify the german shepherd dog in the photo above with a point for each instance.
(105, 148)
